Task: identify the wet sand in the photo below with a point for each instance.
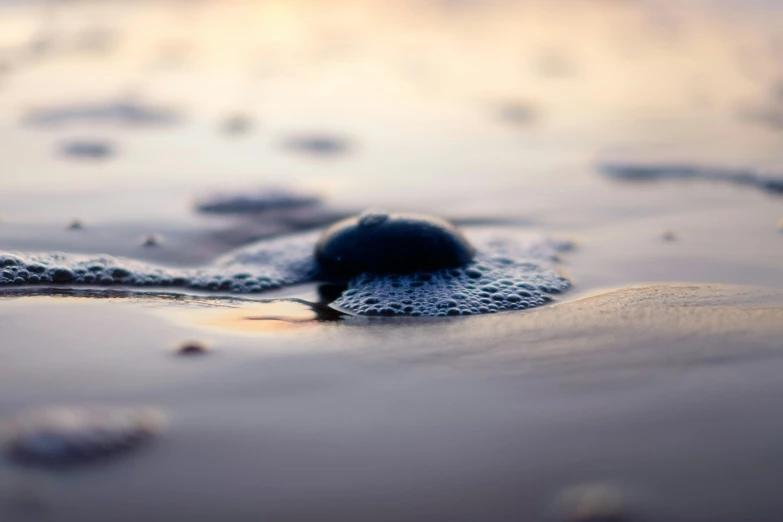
(650, 390)
(668, 392)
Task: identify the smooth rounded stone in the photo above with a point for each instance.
(380, 243)
(59, 436)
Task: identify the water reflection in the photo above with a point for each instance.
(258, 317)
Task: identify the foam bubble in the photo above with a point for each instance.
(262, 266)
(509, 272)
(71, 435)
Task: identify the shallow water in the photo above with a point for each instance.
(489, 114)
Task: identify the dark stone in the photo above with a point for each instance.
(382, 243)
(192, 348)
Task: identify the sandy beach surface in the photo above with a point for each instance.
(644, 135)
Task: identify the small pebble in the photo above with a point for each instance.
(76, 225)
(63, 436)
(669, 235)
(192, 348)
(88, 149)
(237, 124)
(316, 144)
(151, 240)
(520, 114)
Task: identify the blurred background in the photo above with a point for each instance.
(353, 95)
(118, 111)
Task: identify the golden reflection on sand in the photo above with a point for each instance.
(238, 316)
(262, 317)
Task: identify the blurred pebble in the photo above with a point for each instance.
(317, 144)
(76, 225)
(520, 114)
(254, 200)
(237, 124)
(192, 348)
(152, 240)
(88, 149)
(669, 235)
(62, 436)
(592, 502)
(122, 112)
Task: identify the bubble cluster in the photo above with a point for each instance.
(508, 273)
(511, 270)
(71, 435)
(263, 266)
